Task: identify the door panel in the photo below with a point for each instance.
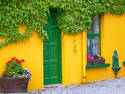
(52, 53)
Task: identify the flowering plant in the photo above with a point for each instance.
(14, 69)
(96, 56)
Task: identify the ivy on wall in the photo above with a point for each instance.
(73, 16)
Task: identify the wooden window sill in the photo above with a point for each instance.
(97, 66)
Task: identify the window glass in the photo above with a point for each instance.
(94, 28)
(89, 31)
(93, 41)
(96, 24)
(95, 45)
(88, 46)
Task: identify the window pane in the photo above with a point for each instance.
(88, 46)
(93, 46)
(90, 30)
(93, 41)
(96, 24)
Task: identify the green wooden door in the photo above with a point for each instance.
(52, 52)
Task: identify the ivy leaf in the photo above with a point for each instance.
(71, 16)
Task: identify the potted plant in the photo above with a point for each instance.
(96, 59)
(14, 78)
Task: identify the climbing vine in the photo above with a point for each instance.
(73, 16)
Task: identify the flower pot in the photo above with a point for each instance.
(96, 61)
(13, 85)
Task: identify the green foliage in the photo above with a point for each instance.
(73, 15)
(14, 69)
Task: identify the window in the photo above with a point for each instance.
(94, 38)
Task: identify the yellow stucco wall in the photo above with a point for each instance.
(71, 59)
(32, 52)
(112, 38)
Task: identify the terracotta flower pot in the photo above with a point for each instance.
(10, 85)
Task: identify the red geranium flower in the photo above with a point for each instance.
(22, 60)
(13, 58)
(17, 59)
(7, 63)
(7, 73)
(18, 62)
(13, 66)
(3, 75)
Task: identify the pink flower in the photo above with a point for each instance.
(21, 76)
(89, 57)
(14, 76)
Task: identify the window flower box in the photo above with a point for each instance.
(93, 60)
(96, 61)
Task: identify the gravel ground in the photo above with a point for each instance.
(111, 86)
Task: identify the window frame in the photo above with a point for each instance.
(92, 35)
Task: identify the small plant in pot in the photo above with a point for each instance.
(96, 59)
(14, 78)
